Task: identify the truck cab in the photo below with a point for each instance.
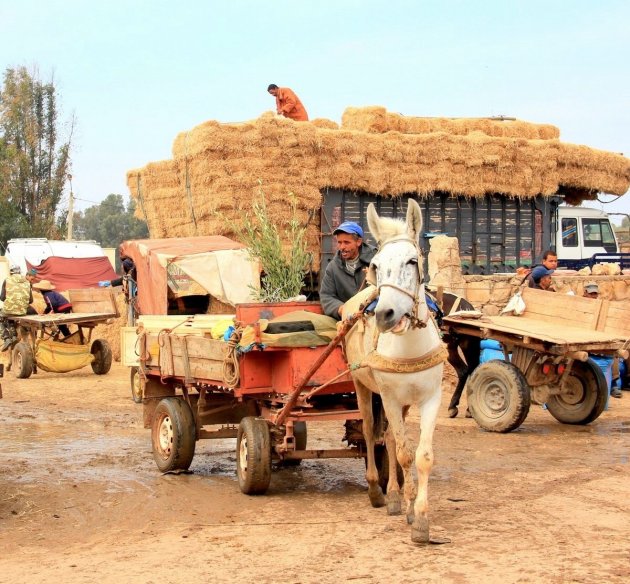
(582, 233)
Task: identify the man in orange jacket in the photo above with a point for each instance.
(287, 103)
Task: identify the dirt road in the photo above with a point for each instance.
(82, 501)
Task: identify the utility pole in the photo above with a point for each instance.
(70, 210)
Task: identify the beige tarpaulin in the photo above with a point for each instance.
(228, 275)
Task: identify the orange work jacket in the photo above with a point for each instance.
(289, 105)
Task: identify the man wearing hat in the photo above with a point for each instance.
(346, 273)
(55, 302)
(541, 278)
(591, 290)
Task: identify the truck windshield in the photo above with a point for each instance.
(599, 233)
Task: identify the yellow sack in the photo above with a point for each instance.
(59, 357)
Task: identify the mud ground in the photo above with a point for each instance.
(81, 500)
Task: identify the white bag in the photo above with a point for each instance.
(515, 305)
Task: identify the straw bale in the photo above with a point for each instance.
(325, 123)
(227, 165)
(376, 119)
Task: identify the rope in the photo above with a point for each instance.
(231, 369)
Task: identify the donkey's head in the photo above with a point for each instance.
(396, 270)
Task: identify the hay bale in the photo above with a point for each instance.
(217, 169)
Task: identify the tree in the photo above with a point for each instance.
(109, 222)
(34, 163)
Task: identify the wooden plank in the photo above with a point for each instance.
(200, 347)
(548, 331)
(564, 309)
(129, 346)
(90, 300)
(603, 315)
(618, 319)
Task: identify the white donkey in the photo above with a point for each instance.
(398, 354)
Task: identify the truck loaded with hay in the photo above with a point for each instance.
(494, 183)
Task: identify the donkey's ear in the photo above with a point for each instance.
(414, 220)
(373, 222)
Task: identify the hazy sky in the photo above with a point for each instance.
(136, 73)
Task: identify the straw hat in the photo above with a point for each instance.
(43, 285)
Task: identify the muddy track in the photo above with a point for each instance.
(81, 501)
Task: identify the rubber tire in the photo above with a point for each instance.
(102, 356)
(589, 391)
(301, 437)
(136, 389)
(173, 434)
(23, 360)
(382, 465)
(503, 383)
(253, 456)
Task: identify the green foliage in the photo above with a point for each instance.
(283, 271)
(110, 222)
(33, 163)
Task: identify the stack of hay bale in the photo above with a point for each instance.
(217, 169)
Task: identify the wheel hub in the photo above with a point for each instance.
(242, 455)
(165, 435)
(495, 398)
(572, 392)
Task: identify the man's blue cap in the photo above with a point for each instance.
(539, 272)
(349, 227)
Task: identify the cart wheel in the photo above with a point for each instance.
(102, 356)
(498, 396)
(173, 435)
(23, 360)
(300, 433)
(136, 388)
(584, 396)
(253, 456)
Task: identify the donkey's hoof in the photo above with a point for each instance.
(410, 517)
(394, 506)
(377, 499)
(420, 531)
(452, 412)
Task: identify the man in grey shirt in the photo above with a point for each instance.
(346, 272)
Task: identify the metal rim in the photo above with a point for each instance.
(165, 436)
(573, 393)
(243, 455)
(494, 399)
(135, 386)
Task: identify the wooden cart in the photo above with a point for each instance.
(91, 307)
(185, 381)
(546, 359)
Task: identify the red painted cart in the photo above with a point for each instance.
(191, 389)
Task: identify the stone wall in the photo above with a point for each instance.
(491, 293)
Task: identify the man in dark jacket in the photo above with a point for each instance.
(346, 272)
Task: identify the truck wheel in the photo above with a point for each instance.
(102, 356)
(136, 388)
(301, 437)
(173, 435)
(23, 360)
(253, 456)
(498, 396)
(584, 396)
